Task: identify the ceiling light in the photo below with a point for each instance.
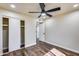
(43, 14)
(76, 5)
(12, 6)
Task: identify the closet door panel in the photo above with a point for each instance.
(14, 34)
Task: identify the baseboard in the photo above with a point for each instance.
(42, 40)
(30, 45)
(55, 44)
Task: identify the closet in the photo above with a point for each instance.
(22, 29)
(5, 34)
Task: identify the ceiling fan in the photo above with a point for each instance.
(43, 11)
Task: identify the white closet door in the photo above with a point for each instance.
(1, 46)
(42, 32)
(14, 34)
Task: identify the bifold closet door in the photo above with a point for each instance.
(14, 34)
(22, 29)
(5, 34)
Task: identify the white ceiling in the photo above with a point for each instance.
(24, 8)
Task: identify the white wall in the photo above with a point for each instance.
(1, 36)
(63, 30)
(30, 38)
(14, 34)
(14, 29)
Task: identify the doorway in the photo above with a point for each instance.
(40, 31)
(5, 34)
(22, 29)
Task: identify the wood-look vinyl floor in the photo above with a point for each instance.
(40, 49)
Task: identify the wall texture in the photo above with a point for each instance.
(63, 30)
(14, 34)
(1, 36)
(30, 38)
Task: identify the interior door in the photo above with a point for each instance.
(42, 31)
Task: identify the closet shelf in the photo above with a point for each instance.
(5, 25)
(22, 26)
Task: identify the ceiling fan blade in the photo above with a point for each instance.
(49, 15)
(42, 6)
(55, 9)
(34, 12)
